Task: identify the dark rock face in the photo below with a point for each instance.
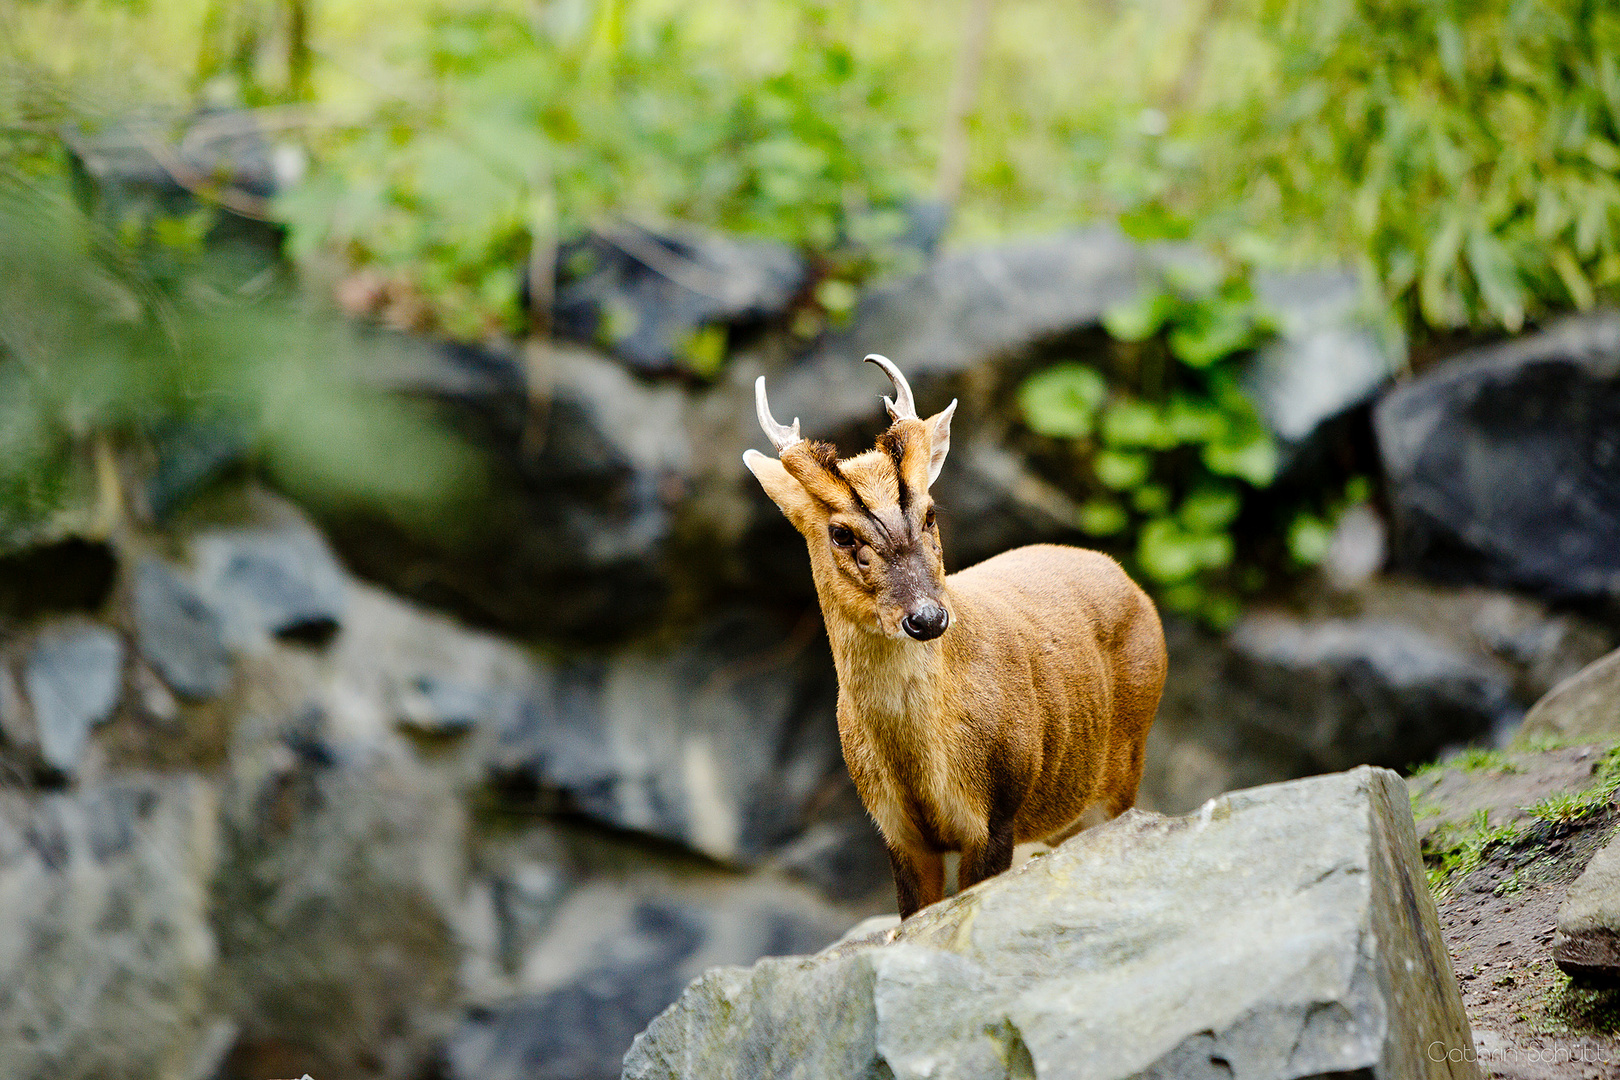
(643, 295)
(721, 744)
(179, 632)
(1285, 931)
(1504, 463)
(573, 540)
(1370, 691)
(74, 677)
(108, 964)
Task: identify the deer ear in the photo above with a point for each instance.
(787, 493)
(939, 440)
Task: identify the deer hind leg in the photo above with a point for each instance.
(919, 878)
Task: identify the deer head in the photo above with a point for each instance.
(868, 519)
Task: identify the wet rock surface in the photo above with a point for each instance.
(74, 676)
(1584, 706)
(1222, 942)
(1503, 462)
(179, 632)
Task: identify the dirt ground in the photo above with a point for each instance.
(1530, 1022)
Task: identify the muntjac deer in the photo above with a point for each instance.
(1005, 703)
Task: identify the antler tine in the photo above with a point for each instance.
(904, 407)
(782, 436)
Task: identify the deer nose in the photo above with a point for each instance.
(926, 623)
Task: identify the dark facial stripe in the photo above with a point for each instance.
(893, 443)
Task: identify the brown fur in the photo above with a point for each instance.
(1024, 721)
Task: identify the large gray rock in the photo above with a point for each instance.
(74, 676)
(969, 308)
(1325, 360)
(1504, 463)
(643, 295)
(106, 955)
(586, 470)
(1587, 943)
(609, 953)
(721, 744)
(1584, 706)
(177, 630)
(281, 582)
(1280, 932)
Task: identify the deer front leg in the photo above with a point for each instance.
(984, 860)
(919, 878)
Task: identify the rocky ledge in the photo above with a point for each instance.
(1283, 931)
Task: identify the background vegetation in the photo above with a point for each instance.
(1463, 156)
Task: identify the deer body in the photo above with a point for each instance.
(1006, 703)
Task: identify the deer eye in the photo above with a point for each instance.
(928, 519)
(842, 536)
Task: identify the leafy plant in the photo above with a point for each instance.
(1165, 451)
(113, 330)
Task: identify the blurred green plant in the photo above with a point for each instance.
(1465, 155)
(523, 129)
(113, 330)
(1165, 450)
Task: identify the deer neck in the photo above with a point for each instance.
(890, 683)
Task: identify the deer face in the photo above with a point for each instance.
(868, 519)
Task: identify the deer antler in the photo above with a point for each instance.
(904, 407)
(782, 436)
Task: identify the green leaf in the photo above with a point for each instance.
(1140, 317)
(1166, 553)
(1151, 499)
(1102, 517)
(1062, 401)
(1121, 470)
(1132, 423)
(1308, 539)
(1253, 459)
(1497, 278)
(1218, 331)
(1210, 508)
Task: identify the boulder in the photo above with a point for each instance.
(178, 632)
(1587, 942)
(74, 677)
(612, 954)
(1585, 706)
(106, 954)
(646, 295)
(1285, 932)
(586, 470)
(1325, 360)
(968, 309)
(1369, 690)
(1503, 463)
(278, 582)
(722, 743)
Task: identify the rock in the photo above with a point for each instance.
(1285, 931)
(107, 961)
(345, 865)
(1504, 463)
(645, 295)
(1371, 691)
(615, 954)
(1325, 360)
(189, 456)
(1587, 943)
(74, 677)
(844, 858)
(572, 539)
(179, 633)
(1584, 706)
(969, 308)
(280, 582)
(721, 744)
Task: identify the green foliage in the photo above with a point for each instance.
(525, 128)
(1455, 852)
(1466, 154)
(1166, 450)
(111, 331)
(1567, 807)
